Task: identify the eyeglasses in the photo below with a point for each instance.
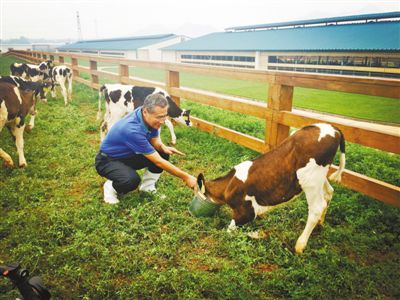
(159, 118)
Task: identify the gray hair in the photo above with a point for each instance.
(153, 100)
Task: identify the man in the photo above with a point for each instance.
(134, 143)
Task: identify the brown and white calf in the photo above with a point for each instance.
(39, 92)
(299, 164)
(15, 104)
(61, 75)
(120, 99)
(39, 88)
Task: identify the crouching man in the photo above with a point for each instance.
(134, 143)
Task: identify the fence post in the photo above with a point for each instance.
(52, 57)
(38, 57)
(280, 97)
(172, 80)
(95, 78)
(123, 73)
(61, 59)
(75, 70)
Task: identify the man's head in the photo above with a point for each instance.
(155, 108)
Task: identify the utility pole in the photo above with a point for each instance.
(79, 26)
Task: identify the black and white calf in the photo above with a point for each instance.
(15, 104)
(300, 163)
(120, 99)
(19, 69)
(61, 75)
(39, 93)
(32, 72)
(46, 66)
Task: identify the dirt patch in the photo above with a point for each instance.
(265, 268)
(91, 132)
(93, 141)
(198, 265)
(158, 264)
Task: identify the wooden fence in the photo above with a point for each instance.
(277, 112)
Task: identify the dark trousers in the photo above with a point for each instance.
(122, 171)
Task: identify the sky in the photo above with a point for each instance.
(57, 19)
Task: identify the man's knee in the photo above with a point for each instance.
(153, 168)
(164, 155)
(127, 185)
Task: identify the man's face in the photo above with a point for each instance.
(156, 118)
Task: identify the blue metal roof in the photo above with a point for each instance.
(373, 36)
(365, 17)
(127, 43)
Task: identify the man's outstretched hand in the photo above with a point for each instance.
(172, 150)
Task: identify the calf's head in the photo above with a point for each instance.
(41, 90)
(213, 190)
(46, 66)
(183, 118)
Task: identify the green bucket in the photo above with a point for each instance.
(201, 206)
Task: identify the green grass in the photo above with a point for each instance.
(53, 222)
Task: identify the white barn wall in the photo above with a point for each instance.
(131, 55)
(168, 56)
(154, 51)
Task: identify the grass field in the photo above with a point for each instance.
(53, 222)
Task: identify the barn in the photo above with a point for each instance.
(361, 45)
(136, 47)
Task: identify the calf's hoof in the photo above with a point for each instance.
(9, 164)
(28, 128)
(299, 248)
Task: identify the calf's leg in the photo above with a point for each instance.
(53, 91)
(312, 178)
(328, 193)
(8, 162)
(31, 123)
(64, 93)
(316, 207)
(19, 143)
(70, 89)
(168, 123)
(103, 129)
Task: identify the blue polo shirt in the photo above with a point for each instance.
(129, 136)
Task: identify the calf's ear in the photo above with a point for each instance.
(201, 183)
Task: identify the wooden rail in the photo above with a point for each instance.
(277, 111)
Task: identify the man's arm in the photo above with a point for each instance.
(159, 145)
(170, 168)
